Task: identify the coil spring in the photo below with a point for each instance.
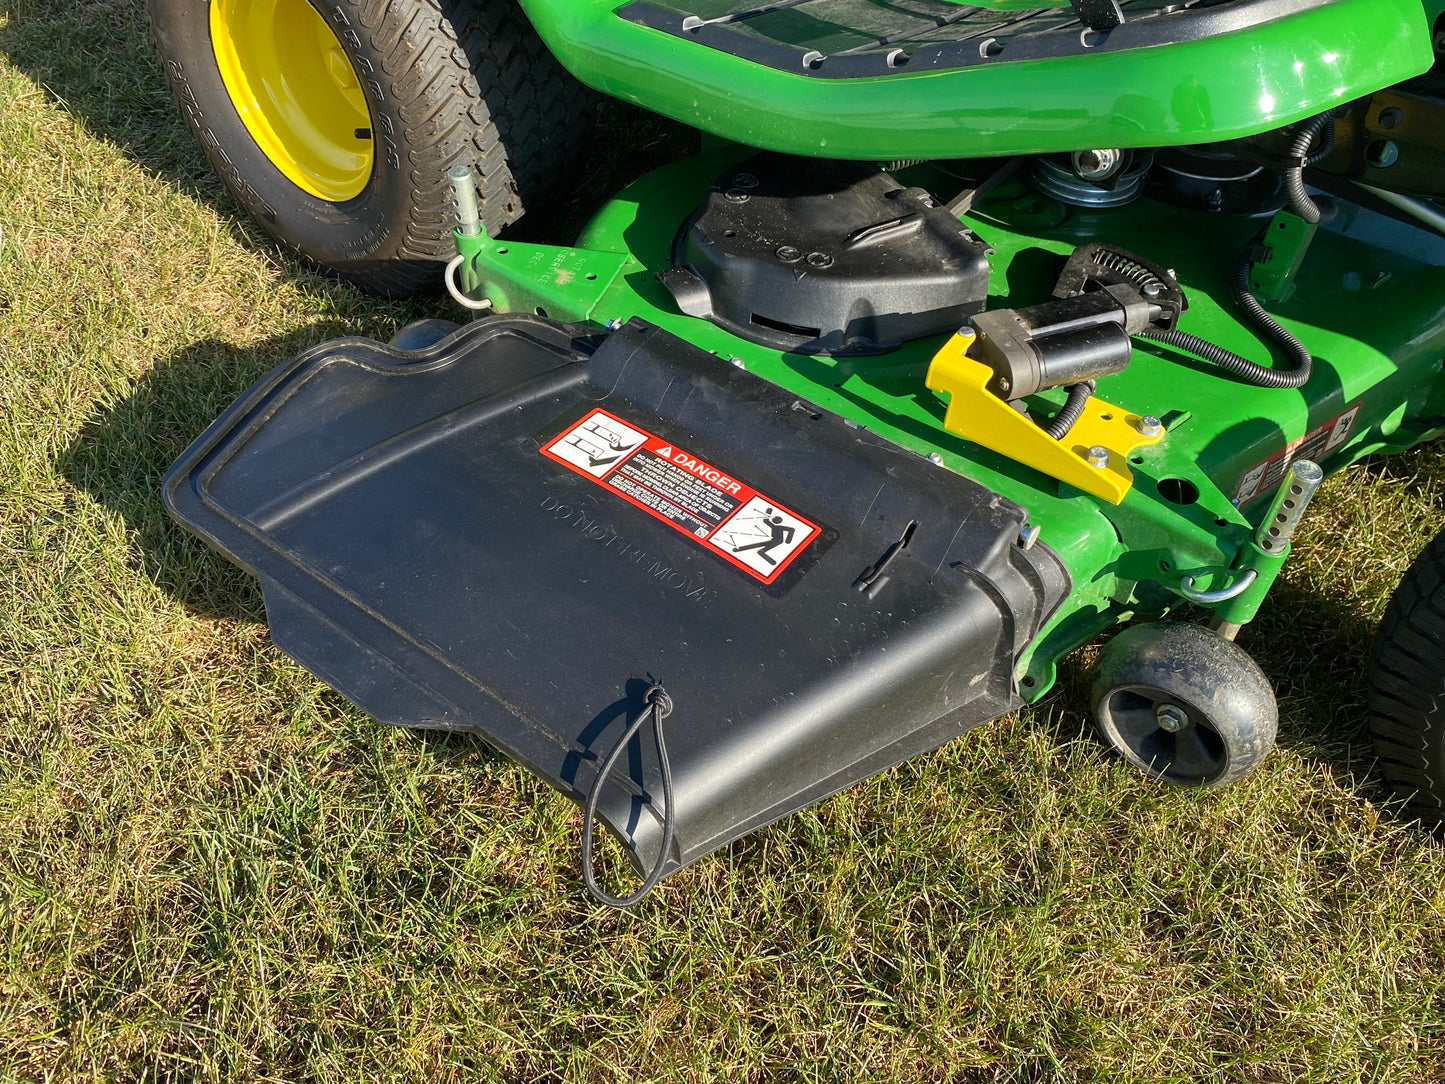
(1117, 262)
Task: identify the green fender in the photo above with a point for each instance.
(1209, 89)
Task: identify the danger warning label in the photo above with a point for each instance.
(726, 515)
(1263, 477)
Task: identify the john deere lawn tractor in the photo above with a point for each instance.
(972, 331)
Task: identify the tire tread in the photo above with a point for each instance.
(1407, 687)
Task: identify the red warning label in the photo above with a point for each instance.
(724, 514)
(1263, 477)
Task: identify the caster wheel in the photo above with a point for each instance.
(1184, 704)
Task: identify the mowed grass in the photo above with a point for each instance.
(214, 869)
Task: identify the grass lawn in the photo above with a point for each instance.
(214, 869)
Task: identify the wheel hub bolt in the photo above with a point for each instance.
(1098, 456)
(1171, 718)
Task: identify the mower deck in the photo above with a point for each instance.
(1367, 303)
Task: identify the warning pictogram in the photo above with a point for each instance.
(752, 531)
(762, 536)
(1319, 442)
(597, 443)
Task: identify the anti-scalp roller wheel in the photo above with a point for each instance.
(1184, 704)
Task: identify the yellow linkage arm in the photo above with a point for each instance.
(977, 414)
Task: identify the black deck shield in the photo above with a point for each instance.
(512, 534)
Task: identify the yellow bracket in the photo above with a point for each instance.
(977, 414)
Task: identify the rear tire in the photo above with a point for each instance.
(447, 82)
(1407, 687)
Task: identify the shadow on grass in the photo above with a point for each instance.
(122, 453)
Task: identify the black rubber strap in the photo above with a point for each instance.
(656, 706)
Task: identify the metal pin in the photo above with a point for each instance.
(1288, 506)
(464, 195)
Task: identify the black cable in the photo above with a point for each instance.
(657, 706)
(1073, 407)
(1294, 176)
(1243, 368)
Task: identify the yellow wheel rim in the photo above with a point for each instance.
(297, 93)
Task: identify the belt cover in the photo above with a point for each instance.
(517, 530)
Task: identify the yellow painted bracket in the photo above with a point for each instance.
(977, 414)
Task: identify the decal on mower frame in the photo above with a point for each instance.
(1319, 442)
(727, 516)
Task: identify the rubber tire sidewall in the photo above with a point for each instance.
(1190, 665)
(1407, 687)
(351, 237)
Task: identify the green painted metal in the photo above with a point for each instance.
(1213, 89)
(1282, 252)
(1369, 303)
(563, 283)
(1242, 609)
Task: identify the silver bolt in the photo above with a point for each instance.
(1171, 718)
(737, 363)
(1029, 535)
(1096, 165)
(1153, 289)
(1098, 456)
(614, 325)
(1150, 426)
(935, 459)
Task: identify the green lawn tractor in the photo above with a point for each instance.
(972, 331)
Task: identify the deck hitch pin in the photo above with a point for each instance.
(1288, 506)
(464, 195)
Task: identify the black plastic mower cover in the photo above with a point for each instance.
(518, 532)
